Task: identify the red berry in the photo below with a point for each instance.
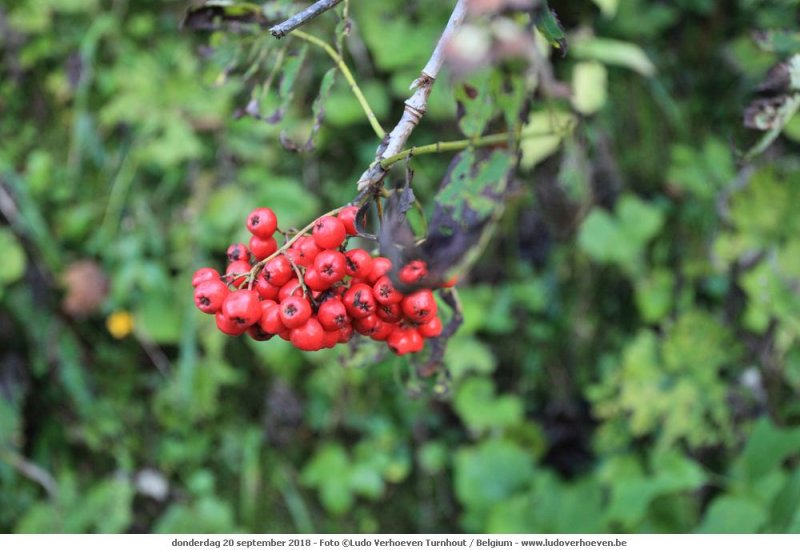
(271, 320)
(295, 311)
(266, 290)
(237, 267)
(359, 301)
(278, 271)
(257, 333)
(314, 280)
(307, 249)
(329, 232)
(413, 272)
(292, 288)
(405, 340)
(209, 295)
(262, 222)
(332, 314)
(358, 263)
(309, 336)
(383, 330)
(330, 264)
(242, 307)
(380, 267)
(347, 215)
(389, 312)
(419, 306)
(204, 274)
(229, 326)
(262, 248)
(237, 252)
(432, 328)
(367, 325)
(345, 333)
(385, 293)
(330, 339)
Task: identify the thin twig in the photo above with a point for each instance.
(282, 29)
(483, 141)
(31, 471)
(417, 104)
(373, 120)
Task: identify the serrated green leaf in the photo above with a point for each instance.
(548, 24)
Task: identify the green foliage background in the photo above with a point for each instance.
(630, 358)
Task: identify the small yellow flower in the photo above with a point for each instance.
(120, 324)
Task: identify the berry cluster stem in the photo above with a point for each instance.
(259, 265)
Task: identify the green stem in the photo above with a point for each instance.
(373, 120)
(442, 146)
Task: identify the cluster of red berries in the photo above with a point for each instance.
(315, 293)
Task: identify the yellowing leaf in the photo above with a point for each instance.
(589, 87)
(542, 135)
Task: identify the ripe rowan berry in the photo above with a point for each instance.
(432, 328)
(389, 312)
(295, 311)
(358, 263)
(228, 326)
(380, 267)
(359, 301)
(235, 268)
(271, 320)
(309, 336)
(405, 340)
(419, 306)
(238, 252)
(258, 334)
(204, 274)
(278, 271)
(347, 215)
(330, 264)
(242, 307)
(385, 293)
(262, 222)
(314, 280)
(209, 295)
(383, 330)
(308, 250)
(262, 248)
(330, 339)
(266, 290)
(329, 232)
(366, 325)
(413, 272)
(332, 314)
(292, 288)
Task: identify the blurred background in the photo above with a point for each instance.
(629, 360)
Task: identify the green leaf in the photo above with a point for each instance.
(733, 514)
(479, 408)
(589, 87)
(767, 447)
(548, 24)
(490, 473)
(613, 52)
(543, 134)
(12, 268)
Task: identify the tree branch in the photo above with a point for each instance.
(416, 105)
(282, 29)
